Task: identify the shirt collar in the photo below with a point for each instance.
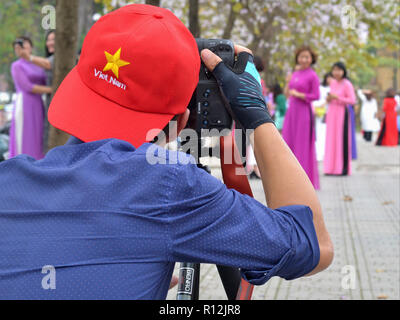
(73, 140)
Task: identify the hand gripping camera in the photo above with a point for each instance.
(207, 113)
(207, 109)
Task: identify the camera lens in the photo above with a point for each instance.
(205, 103)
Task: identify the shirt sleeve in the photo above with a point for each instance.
(349, 96)
(361, 95)
(51, 60)
(210, 223)
(385, 105)
(43, 78)
(313, 93)
(21, 79)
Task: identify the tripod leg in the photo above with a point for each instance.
(230, 278)
(188, 284)
(239, 182)
(245, 291)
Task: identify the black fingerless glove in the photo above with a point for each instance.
(241, 88)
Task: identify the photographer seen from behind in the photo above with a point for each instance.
(106, 223)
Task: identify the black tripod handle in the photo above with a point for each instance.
(188, 285)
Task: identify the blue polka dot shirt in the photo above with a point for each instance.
(103, 220)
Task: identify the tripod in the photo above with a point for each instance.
(236, 288)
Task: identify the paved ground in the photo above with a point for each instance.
(362, 216)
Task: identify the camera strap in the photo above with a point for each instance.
(235, 177)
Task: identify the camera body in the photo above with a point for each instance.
(207, 110)
(20, 42)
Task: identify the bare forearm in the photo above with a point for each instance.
(38, 89)
(298, 94)
(41, 62)
(284, 180)
(285, 183)
(301, 96)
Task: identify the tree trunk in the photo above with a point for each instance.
(230, 23)
(85, 18)
(153, 2)
(65, 54)
(194, 25)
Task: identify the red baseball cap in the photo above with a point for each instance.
(138, 68)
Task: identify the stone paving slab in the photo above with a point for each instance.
(362, 215)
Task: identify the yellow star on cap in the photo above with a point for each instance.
(114, 62)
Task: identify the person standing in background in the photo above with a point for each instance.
(251, 164)
(298, 126)
(368, 114)
(320, 108)
(26, 132)
(260, 68)
(47, 64)
(397, 99)
(388, 136)
(337, 159)
(352, 115)
(269, 98)
(50, 49)
(280, 103)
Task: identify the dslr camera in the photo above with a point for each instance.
(19, 42)
(208, 114)
(207, 110)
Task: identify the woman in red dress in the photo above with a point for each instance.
(388, 136)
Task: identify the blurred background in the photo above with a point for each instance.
(364, 34)
(367, 42)
(361, 211)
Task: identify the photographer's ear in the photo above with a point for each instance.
(182, 120)
(210, 59)
(178, 126)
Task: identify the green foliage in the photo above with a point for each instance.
(237, 7)
(273, 29)
(106, 3)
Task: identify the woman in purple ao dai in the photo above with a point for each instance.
(26, 132)
(299, 124)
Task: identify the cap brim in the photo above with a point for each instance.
(81, 112)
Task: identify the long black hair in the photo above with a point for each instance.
(276, 90)
(390, 93)
(22, 39)
(258, 63)
(342, 66)
(326, 76)
(48, 54)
